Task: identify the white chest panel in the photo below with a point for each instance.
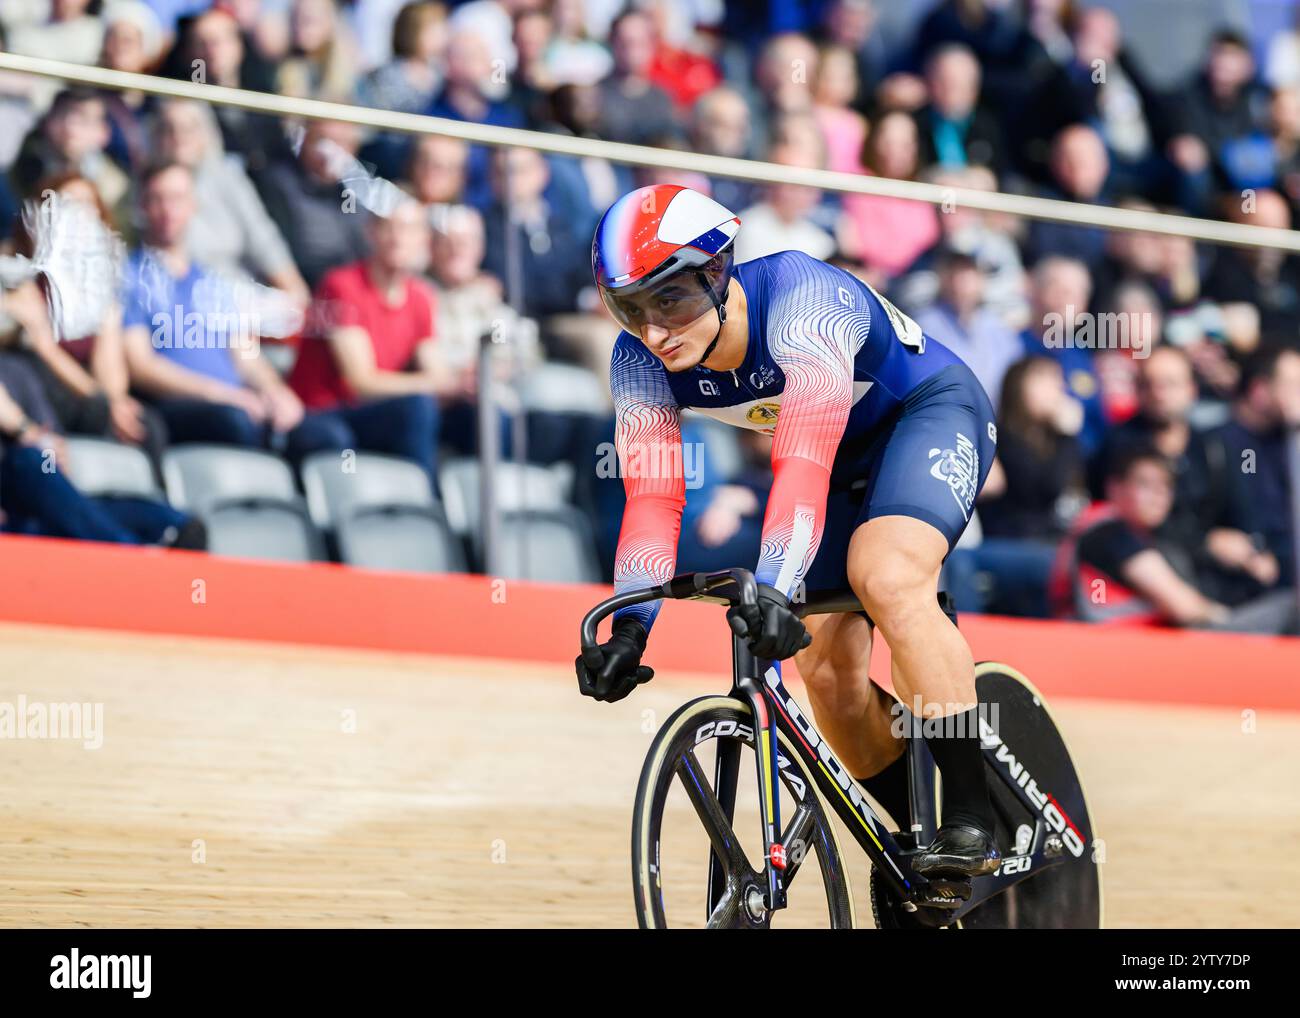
(761, 414)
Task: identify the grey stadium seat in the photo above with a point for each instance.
(279, 532)
(399, 538)
(198, 476)
(334, 494)
(552, 545)
(562, 388)
(518, 488)
(101, 467)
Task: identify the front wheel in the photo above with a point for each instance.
(691, 861)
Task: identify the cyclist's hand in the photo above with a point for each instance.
(612, 670)
(773, 631)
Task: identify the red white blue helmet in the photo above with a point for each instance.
(663, 255)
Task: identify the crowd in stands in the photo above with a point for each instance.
(1146, 383)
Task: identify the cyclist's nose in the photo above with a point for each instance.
(654, 336)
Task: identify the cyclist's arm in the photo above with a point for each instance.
(647, 435)
(814, 344)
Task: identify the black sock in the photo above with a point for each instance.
(957, 753)
(889, 788)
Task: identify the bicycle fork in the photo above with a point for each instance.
(745, 676)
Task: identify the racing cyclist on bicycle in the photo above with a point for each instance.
(881, 440)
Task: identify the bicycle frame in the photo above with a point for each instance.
(758, 684)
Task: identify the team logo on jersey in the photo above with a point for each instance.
(763, 377)
(708, 387)
(763, 414)
(960, 469)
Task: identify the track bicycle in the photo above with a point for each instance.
(1048, 877)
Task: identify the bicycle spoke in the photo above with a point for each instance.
(716, 825)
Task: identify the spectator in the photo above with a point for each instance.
(1206, 525)
(36, 499)
(323, 61)
(71, 31)
(1225, 109)
(575, 110)
(531, 84)
(437, 170)
(313, 199)
(721, 126)
(369, 372)
(1111, 570)
(1034, 490)
(133, 41)
(410, 80)
(889, 234)
(1079, 167)
(572, 57)
(231, 231)
(1284, 122)
(852, 24)
(1254, 452)
(1265, 280)
(84, 377)
(1060, 288)
(953, 129)
(554, 250)
(682, 72)
(71, 138)
(843, 128)
(782, 221)
(634, 108)
(213, 51)
(961, 322)
(188, 345)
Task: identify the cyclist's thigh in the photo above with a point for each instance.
(937, 456)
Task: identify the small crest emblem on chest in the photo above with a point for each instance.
(763, 415)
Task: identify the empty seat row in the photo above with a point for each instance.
(381, 510)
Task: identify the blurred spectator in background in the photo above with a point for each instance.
(572, 57)
(436, 172)
(959, 320)
(888, 234)
(531, 84)
(36, 495)
(575, 110)
(408, 82)
(555, 252)
(1254, 452)
(844, 130)
(781, 222)
(189, 344)
(72, 31)
(133, 41)
(1284, 126)
(314, 202)
(212, 50)
(1208, 524)
(84, 377)
(1041, 489)
(71, 138)
(1112, 569)
(1060, 288)
(1265, 280)
(1079, 169)
(984, 236)
(682, 71)
(852, 24)
(720, 126)
(634, 109)
(1225, 109)
(953, 129)
(231, 231)
(322, 61)
(368, 371)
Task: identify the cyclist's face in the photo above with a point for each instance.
(681, 349)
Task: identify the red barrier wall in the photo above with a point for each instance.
(148, 590)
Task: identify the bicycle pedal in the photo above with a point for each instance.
(946, 894)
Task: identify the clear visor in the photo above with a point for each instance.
(672, 305)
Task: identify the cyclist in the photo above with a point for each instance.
(881, 440)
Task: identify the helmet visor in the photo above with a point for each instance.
(672, 305)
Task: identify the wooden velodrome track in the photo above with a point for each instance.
(250, 784)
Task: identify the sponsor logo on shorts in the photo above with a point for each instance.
(960, 469)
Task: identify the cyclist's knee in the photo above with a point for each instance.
(896, 587)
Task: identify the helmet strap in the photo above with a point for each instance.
(721, 307)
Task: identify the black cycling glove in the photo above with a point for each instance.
(612, 670)
(774, 632)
